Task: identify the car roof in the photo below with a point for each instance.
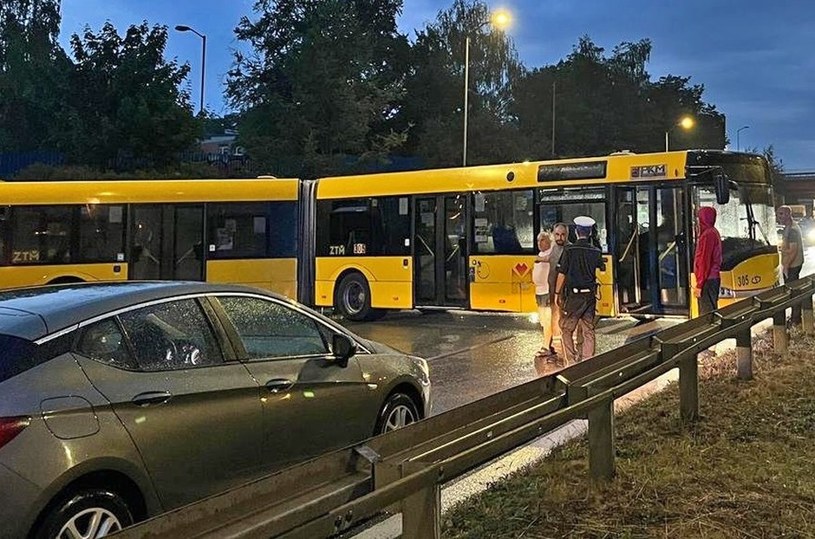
(32, 313)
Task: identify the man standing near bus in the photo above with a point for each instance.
(561, 236)
(540, 277)
(707, 262)
(792, 254)
(577, 289)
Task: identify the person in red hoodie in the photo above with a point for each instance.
(707, 262)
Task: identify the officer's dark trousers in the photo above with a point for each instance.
(578, 313)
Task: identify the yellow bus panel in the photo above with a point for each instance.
(495, 177)
(606, 305)
(19, 276)
(277, 274)
(504, 283)
(389, 277)
(148, 191)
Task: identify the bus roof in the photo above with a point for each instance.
(620, 167)
(147, 191)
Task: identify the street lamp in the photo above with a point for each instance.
(685, 123)
(183, 28)
(738, 133)
(500, 19)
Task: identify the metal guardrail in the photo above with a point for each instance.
(404, 470)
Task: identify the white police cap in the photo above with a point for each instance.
(584, 221)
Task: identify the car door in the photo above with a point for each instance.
(194, 416)
(311, 403)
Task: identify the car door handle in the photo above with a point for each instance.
(277, 385)
(152, 397)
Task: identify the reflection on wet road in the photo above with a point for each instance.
(473, 355)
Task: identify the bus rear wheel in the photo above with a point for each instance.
(353, 298)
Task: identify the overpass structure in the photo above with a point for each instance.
(798, 188)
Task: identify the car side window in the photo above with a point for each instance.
(269, 329)
(172, 335)
(104, 342)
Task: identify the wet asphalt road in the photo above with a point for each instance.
(473, 355)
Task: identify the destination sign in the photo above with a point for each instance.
(592, 170)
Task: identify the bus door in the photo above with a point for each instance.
(440, 251)
(651, 250)
(167, 242)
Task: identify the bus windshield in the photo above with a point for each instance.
(746, 223)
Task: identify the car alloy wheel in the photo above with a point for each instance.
(90, 524)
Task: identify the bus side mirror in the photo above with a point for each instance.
(721, 186)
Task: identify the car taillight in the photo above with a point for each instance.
(11, 427)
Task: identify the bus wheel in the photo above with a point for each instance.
(353, 298)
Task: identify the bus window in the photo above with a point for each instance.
(390, 218)
(41, 235)
(504, 222)
(562, 206)
(363, 227)
(238, 230)
(101, 233)
(283, 229)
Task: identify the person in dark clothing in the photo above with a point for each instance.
(707, 262)
(576, 290)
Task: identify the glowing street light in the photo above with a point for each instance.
(685, 123)
(501, 19)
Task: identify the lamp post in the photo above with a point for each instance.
(183, 28)
(501, 19)
(738, 134)
(686, 123)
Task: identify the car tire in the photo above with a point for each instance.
(353, 299)
(79, 508)
(398, 411)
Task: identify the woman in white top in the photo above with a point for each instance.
(540, 276)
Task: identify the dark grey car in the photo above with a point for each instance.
(119, 401)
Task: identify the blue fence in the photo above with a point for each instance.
(12, 163)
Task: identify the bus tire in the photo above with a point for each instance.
(353, 298)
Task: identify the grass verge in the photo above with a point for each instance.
(745, 469)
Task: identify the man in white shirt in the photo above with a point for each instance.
(540, 277)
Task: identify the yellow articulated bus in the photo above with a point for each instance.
(465, 238)
(236, 231)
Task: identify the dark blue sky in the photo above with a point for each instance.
(754, 57)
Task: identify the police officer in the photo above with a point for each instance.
(576, 290)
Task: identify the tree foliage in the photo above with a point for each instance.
(435, 88)
(604, 103)
(324, 81)
(32, 73)
(126, 101)
(115, 97)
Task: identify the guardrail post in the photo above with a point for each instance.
(689, 389)
(780, 332)
(744, 355)
(421, 512)
(807, 316)
(601, 441)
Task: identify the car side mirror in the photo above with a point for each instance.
(344, 348)
(721, 185)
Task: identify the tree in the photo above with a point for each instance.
(434, 104)
(125, 106)
(324, 81)
(606, 103)
(33, 71)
